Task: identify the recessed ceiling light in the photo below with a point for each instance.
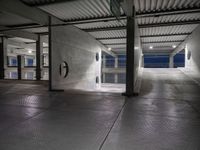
(109, 48)
(174, 46)
(29, 51)
(151, 47)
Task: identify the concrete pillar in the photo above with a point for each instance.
(142, 65)
(130, 30)
(116, 66)
(171, 61)
(39, 48)
(3, 57)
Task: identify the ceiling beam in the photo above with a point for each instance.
(138, 15)
(177, 11)
(19, 33)
(145, 26)
(162, 35)
(105, 29)
(93, 20)
(146, 42)
(114, 43)
(20, 44)
(162, 42)
(145, 36)
(111, 38)
(169, 24)
(18, 8)
(44, 3)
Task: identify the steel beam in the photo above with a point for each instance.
(105, 29)
(162, 35)
(114, 43)
(177, 11)
(145, 26)
(21, 34)
(162, 42)
(169, 24)
(44, 3)
(145, 36)
(138, 15)
(146, 42)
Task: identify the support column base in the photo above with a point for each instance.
(130, 94)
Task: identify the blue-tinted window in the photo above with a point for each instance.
(110, 61)
(121, 61)
(156, 61)
(29, 62)
(13, 62)
(179, 60)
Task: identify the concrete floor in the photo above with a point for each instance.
(166, 116)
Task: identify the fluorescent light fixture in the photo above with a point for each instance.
(109, 48)
(174, 46)
(151, 47)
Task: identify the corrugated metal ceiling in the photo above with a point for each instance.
(88, 9)
(106, 34)
(164, 38)
(153, 5)
(83, 9)
(169, 18)
(102, 24)
(168, 30)
(37, 30)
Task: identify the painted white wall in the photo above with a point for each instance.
(78, 49)
(193, 45)
(137, 57)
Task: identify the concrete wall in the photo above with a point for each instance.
(193, 46)
(137, 58)
(79, 50)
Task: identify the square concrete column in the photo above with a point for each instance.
(39, 48)
(171, 61)
(3, 56)
(142, 65)
(130, 30)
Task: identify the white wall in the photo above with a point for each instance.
(79, 50)
(193, 45)
(137, 58)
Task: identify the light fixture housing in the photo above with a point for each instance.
(174, 46)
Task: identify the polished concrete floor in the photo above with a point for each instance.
(165, 116)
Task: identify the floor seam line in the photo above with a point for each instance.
(104, 140)
(14, 125)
